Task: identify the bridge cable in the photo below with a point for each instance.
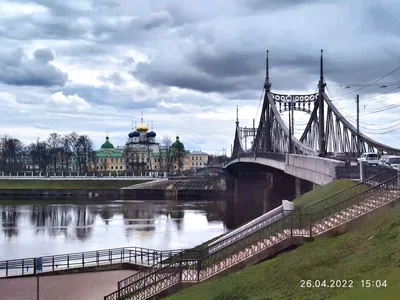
(259, 103)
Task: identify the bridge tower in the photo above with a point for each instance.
(321, 120)
(265, 112)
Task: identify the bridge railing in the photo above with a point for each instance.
(353, 172)
(269, 155)
(292, 223)
(134, 255)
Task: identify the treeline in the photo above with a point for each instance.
(54, 154)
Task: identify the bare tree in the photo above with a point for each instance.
(65, 152)
(11, 154)
(165, 152)
(54, 142)
(39, 153)
(133, 160)
(82, 149)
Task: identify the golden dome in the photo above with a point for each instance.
(142, 128)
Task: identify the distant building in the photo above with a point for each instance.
(142, 154)
(196, 159)
(108, 158)
(140, 148)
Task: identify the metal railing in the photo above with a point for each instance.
(371, 193)
(349, 192)
(134, 255)
(270, 155)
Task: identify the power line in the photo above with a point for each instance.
(370, 97)
(372, 83)
(349, 85)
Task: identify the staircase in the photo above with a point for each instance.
(198, 265)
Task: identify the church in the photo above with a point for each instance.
(142, 154)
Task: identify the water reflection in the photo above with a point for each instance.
(45, 229)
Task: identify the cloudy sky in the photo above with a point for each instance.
(92, 66)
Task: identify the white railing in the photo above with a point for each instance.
(272, 216)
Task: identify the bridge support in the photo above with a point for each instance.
(303, 186)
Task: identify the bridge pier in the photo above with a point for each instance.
(303, 186)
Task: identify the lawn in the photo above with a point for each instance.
(66, 184)
(368, 252)
(322, 192)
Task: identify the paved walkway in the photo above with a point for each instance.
(84, 286)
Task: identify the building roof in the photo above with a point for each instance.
(198, 153)
(177, 145)
(109, 153)
(107, 144)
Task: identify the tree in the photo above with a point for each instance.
(39, 153)
(11, 154)
(65, 152)
(132, 159)
(82, 150)
(165, 152)
(54, 142)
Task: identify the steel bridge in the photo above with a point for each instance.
(327, 130)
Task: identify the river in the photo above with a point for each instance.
(56, 227)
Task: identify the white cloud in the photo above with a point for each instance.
(73, 101)
(187, 66)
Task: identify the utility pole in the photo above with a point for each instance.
(358, 125)
(290, 126)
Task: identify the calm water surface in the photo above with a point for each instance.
(45, 229)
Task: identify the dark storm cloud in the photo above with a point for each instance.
(157, 20)
(261, 5)
(187, 78)
(114, 78)
(103, 95)
(17, 69)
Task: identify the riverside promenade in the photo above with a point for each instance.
(82, 286)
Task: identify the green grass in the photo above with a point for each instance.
(370, 251)
(322, 192)
(66, 184)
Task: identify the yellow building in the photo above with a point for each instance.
(108, 158)
(196, 160)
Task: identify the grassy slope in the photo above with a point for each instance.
(66, 184)
(311, 197)
(322, 192)
(370, 251)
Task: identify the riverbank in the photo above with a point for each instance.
(20, 184)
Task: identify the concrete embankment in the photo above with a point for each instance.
(34, 193)
(182, 188)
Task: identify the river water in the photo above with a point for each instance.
(47, 228)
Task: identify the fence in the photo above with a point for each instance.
(135, 255)
(39, 174)
(321, 216)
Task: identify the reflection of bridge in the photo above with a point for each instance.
(299, 162)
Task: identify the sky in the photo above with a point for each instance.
(92, 66)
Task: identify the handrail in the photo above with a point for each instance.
(286, 222)
(367, 181)
(356, 196)
(136, 255)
